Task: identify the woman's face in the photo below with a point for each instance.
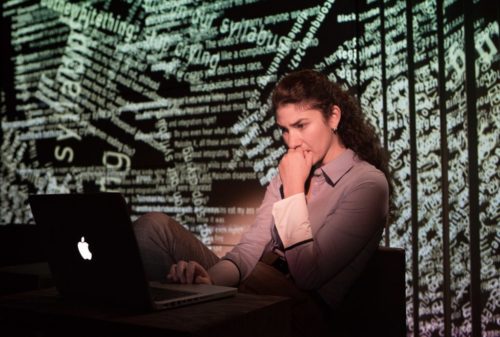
(306, 128)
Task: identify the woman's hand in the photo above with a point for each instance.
(294, 169)
(188, 272)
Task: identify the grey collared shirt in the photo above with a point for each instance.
(346, 213)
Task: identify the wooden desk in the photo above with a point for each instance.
(44, 313)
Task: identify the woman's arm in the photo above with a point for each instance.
(356, 218)
(237, 264)
(248, 251)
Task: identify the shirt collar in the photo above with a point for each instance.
(337, 168)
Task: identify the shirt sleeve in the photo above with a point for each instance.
(291, 218)
(224, 273)
(248, 251)
(347, 230)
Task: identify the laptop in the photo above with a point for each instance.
(94, 257)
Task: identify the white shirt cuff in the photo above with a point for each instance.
(291, 218)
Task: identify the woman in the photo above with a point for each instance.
(321, 218)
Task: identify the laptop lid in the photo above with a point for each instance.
(93, 254)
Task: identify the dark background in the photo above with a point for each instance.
(425, 72)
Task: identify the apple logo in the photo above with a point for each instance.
(83, 248)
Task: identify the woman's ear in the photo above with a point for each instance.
(334, 119)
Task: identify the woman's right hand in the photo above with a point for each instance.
(294, 170)
(188, 272)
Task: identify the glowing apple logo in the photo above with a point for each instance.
(83, 248)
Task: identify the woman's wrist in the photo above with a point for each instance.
(288, 191)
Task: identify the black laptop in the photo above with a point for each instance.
(94, 257)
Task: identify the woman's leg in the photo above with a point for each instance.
(163, 241)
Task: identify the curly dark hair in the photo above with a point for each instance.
(316, 91)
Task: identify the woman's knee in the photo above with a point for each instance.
(152, 222)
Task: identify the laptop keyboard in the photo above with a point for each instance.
(161, 294)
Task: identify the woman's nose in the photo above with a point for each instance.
(294, 140)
